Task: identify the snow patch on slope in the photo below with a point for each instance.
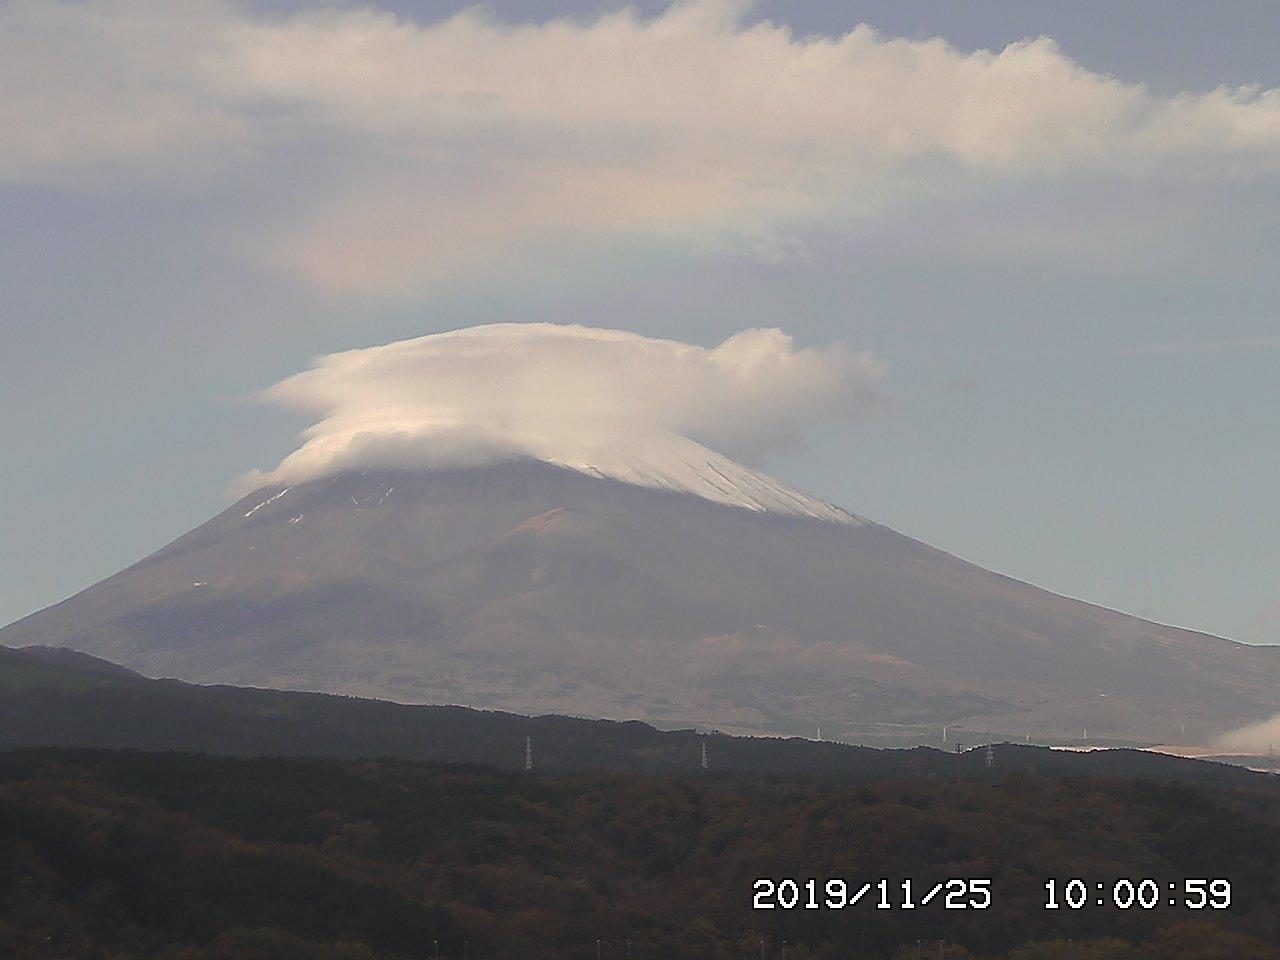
(269, 500)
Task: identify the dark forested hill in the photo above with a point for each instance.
(52, 697)
(127, 855)
(616, 836)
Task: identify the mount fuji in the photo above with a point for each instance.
(666, 583)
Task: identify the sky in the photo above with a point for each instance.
(1050, 229)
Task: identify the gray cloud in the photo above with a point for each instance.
(696, 127)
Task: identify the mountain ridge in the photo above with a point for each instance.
(85, 702)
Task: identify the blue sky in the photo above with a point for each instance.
(1078, 315)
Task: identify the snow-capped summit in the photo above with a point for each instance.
(683, 466)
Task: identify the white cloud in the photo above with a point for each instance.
(457, 142)
(1256, 739)
(570, 394)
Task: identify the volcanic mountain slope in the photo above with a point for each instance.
(535, 588)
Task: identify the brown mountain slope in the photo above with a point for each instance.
(535, 589)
